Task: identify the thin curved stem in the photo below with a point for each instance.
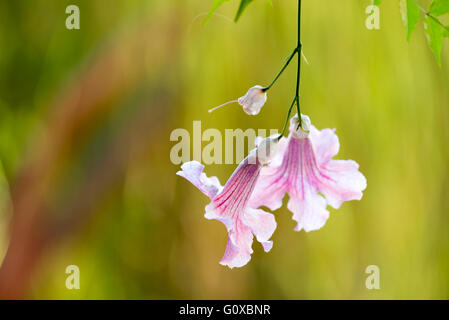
(298, 51)
(282, 70)
(287, 118)
(298, 75)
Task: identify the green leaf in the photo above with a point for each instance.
(242, 7)
(215, 5)
(435, 35)
(377, 2)
(439, 7)
(412, 17)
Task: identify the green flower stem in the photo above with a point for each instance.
(282, 70)
(298, 51)
(287, 118)
(298, 74)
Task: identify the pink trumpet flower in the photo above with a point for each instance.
(230, 204)
(303, 168)
(251, 102)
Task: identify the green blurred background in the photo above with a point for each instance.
(85, 171)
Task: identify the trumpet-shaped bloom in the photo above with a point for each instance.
(230, 204)
(303, 168)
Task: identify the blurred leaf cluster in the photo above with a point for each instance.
(436, 30)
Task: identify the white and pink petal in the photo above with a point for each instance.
(193, 172)
(270, 189)
(325, 144)
(341, 181)
(239, 247)
(308, 208)
(262, 225)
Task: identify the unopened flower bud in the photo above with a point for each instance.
(253, 100)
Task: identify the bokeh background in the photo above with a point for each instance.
(85, 170)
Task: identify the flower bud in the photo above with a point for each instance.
(303, 131)
(253, 100)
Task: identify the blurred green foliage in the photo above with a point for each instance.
(147, 237)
